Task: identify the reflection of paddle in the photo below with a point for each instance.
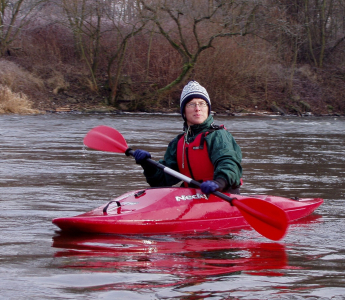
(266, 218)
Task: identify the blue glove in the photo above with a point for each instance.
(140, 156)
(209, 186)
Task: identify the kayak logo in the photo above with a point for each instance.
(129, 203)
(190, 197)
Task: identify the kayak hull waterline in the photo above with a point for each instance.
(174, 210)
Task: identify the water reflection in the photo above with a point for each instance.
(193, 257)
(176, 255)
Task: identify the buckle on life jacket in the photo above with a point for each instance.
(202, 140)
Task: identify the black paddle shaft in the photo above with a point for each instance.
(180, 176)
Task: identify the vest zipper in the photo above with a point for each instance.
(184, 143)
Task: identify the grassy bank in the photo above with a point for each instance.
(31, 88)
(26, 89)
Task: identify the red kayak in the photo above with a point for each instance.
(174, 210)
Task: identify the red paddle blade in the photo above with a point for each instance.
(105, 138)
(266, 218)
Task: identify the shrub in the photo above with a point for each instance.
(17, 103)
(18, 79)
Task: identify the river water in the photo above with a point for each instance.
(47, 173)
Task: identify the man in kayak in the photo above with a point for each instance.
(204, 151)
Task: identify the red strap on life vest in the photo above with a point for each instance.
(193, 159)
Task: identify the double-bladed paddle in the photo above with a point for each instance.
(266, 218)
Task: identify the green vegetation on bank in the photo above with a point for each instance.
(135, 55)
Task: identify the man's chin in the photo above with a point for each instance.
(196, 122)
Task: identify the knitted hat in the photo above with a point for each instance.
(193, 90)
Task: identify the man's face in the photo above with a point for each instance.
(196, 111)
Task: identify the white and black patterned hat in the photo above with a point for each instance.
(193, 90)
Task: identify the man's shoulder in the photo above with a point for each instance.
(175, 140)
(219, 131)
(220, 135)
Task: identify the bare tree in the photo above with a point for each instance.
(123, 24)
(191, 27)
(103, 28)
(318, 25)
(85, 19)
(14, 16)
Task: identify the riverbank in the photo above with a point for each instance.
(77, 103)
(28, 89)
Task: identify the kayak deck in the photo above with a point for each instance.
(174, 210)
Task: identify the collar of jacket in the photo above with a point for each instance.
(196, 129)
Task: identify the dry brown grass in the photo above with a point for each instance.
(15, 83)
(57, 82)
(16, 103)
(18, 79)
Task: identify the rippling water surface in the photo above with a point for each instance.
(46, 173)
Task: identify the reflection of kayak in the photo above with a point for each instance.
(173, 210)
(202, 255)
